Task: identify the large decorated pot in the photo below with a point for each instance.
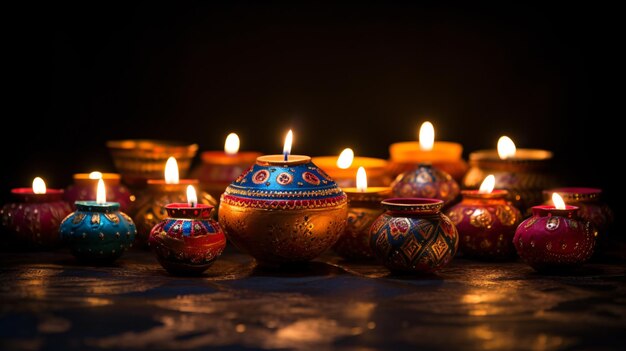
(283, 211)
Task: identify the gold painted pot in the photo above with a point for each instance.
(281, 212)
(363, 209)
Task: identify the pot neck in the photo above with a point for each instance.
(548, 211)
(413, 206)
(183, 210)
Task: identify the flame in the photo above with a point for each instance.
(39, 186)
(192, 198)
(171, 171)
(427, 136)
(558, 201)
(506, 147)
(101, 194)
(231, 146)
(361, 180)
(487, 185)
(95, 175)
(344, 161)
(288, 142)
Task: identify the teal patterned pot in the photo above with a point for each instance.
(98, 232)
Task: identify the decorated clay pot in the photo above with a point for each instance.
(426, 182)
(33, 220)
(188, 241)
(413, 235)
(554, 239)
(281, 212)
(84, 188)
(525, 176)
(149, 208)
(590, 208)
(486, 224)
(363, 209)
(98, 232)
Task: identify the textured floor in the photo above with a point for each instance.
(49, 302)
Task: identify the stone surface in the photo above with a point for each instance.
(48, 301)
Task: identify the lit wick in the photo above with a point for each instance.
(287, 147)
(101, 195)
(192, 198)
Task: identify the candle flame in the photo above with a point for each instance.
(344, 161)
(171, 171)
(506, 147)
(427, 136)
(39, 186)
(361, 180)
(101, 194)
(95, 175)
(558, 201)
(192, 198)
(288, 142)
(231, 146)
(487, 185)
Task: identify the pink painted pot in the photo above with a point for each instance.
(33, 220)
(554, 239)
(486, 224)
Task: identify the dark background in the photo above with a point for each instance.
(362, 75)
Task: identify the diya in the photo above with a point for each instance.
(85, 184)
(486, 222)
(188, 241)
(413, 236)
(525, 173)
(554, 238)
(444, 155)
(32, 219)
(219, 168)
(97, 231)
(149, 209)
(283, 209)
(363, 209)
(343, 168)
(590, 208)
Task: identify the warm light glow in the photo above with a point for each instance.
(558, 201)
(101, 194)
(39, 186)
(427, 136)
(344, 161)
(171, 171)
(231, 146)
(488, 184)
(192, 198)
(361, 180)
(95, 175)
(506, 147)
(288, 142)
